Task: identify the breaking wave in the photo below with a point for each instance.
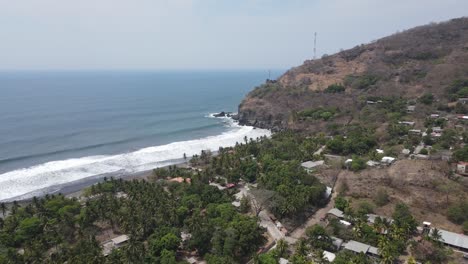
(37, 180)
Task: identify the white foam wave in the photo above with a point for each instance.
(24, 181)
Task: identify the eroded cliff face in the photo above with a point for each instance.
(422, 60)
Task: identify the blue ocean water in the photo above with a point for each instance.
(59, 127)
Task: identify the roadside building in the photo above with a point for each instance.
(435, 115)
(410, 108)
(454, 240)
(335, 212)
(462, 168)
(463, 100)
(358, 247)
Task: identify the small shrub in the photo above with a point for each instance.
(381, 197)
(365, 207)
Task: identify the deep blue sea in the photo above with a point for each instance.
(63, 127)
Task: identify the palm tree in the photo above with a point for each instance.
(436, 236)
(301, 247)
(282, 247)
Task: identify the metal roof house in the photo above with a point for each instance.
(337, 242)
(371, 218)
(455, 240)
(410, 108)
(310, 165)
(336, 212)
(114, 243)
(358, 247)
(329, 256)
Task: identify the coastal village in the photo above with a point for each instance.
(277, 233)
(382, 181)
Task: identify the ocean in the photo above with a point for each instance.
(63, 128)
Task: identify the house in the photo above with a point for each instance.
(369, 102)
(414, 131)
(388, 160)
(358, 247)
(333, 157)
(371, 218)
(435, 116)
(114, 243)
(336, 213)
(121, 195)
(309, 166)
(407, 123)
(463, 100)
(406, 151)
(462, 167)
(463, 117)
(437, 129)
(380, 151)
(410, 108)
(283, 261)
(181, 180)
(454, 240)
(329, 256)
(345, 223)
(194, 260)
(419, 157)
(371, 163)
(337, 242)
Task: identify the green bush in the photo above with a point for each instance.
(458, 212)
(335, 88)
(361, 82)
(318, 113)
(426, 99)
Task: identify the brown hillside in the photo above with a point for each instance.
(425, 59)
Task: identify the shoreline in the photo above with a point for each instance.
(75, 189)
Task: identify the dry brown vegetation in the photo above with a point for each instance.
(421, 184)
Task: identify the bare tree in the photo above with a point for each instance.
(260, 199)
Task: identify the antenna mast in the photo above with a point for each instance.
(315, 45)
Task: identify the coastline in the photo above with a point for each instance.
(75, 189)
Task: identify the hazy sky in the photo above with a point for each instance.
(198, 34)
